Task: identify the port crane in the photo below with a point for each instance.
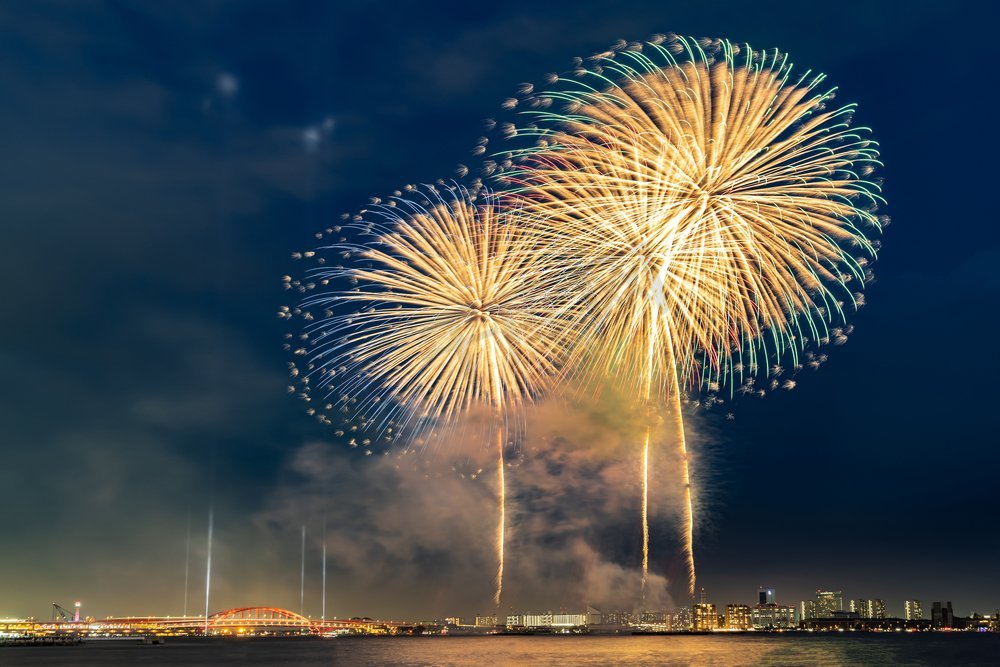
(64, 614)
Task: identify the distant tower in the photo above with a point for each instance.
(76, 614)
(912, 610)
(765, 596)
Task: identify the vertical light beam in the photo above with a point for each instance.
(302, 580)
(323, 608)
(208, 562)
(187, 562)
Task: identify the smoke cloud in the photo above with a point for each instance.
(418, 530)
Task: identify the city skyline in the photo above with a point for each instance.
(166, 163)
(830, 604)
(766, 614)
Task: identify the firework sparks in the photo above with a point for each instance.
(447, 320)
(708, 207)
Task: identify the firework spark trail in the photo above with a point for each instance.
(688, 507)
(682, 449)
(645, 514)
(450, 319)
(707, 206)
(502, 520)
(650, 352)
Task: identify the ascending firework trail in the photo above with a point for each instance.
(707, 208)
(446, 321)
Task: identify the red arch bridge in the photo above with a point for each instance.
(274, 619)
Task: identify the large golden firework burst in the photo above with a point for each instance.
(711, 211)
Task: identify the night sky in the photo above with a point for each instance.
(161, 162)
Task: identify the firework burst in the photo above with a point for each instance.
(711, 211)
(446, 318)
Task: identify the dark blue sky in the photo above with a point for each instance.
(162, 160)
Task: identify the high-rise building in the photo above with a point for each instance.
(807, 610)
(769, 615)
(682, 620)
(868, 608)
(737, 617)
(704, 617)
(912, 610)
(942, 615)
(828, 602)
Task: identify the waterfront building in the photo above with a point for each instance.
(682, 620)
(486, 620)
(846, 620)
(564, 620)
(704, 617)
(767, 614)
(737, 617)
(807, 610)
(617, 618)
(772, 616)
(546, 620)
(537, 620)
(868, 608)
(654, 618)
(942, 615)
(979, 623)
(828, 602)
(912, 610)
